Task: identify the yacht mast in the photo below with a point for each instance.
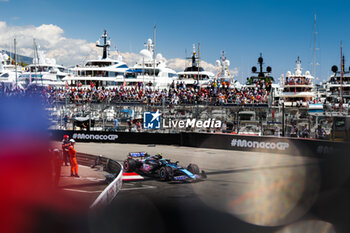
(15, 50)
(186, 57)
(36, 56)
(341, 72)
(199, 57)
(315, 49)
(154, 56)
(223, 64)
(105, 46)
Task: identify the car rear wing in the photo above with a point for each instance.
(138, 155)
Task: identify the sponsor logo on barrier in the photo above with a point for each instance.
(325, 150)
(192, 123)
(259, 145)
(84, 136)
(152, 120)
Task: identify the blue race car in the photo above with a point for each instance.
(164, 169)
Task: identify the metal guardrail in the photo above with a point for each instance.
(111, 166)
(110, 192)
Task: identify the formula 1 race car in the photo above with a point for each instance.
(161, 168)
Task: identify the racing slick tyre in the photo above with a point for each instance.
(170, 173)
(193, 168)
(129, 165)
(166, 173)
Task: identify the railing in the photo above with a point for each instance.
(297, 83)
(112, 167)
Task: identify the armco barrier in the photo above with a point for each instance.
(292, 146)
(111, 166)
(117, 137)
(110, 192)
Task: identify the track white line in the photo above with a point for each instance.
(139, 188)
(84, 178)
(83, 191)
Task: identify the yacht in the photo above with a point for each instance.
(298, 88)
(195, 73)
(44, 72)
(102, 72)
(224, 74)
(321, 90)
(150, 71)
(265, 81)
(8, 72)
(338, 87)
(261, 76)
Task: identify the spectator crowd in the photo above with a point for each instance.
(175, 95)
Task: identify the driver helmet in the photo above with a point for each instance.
(72, 141)
(65, 136)
(158, 156)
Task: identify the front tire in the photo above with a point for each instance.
(193, 168)
(129, 165)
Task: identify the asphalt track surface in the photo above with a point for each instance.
(87, 187)
(244, 192)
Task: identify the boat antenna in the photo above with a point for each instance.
(315, 64)
(298, 64)
(199, 57)
(15, 50)
(154, 55)
(194, 56)
(105, 45)
(261, 62)
(341, 72)
(34, 62)
(36, 54)
(223, 65)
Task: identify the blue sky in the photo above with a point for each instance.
(281, 30)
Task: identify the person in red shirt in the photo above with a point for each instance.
(73, 159)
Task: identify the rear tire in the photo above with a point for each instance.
(193, 168)
(129, 165)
